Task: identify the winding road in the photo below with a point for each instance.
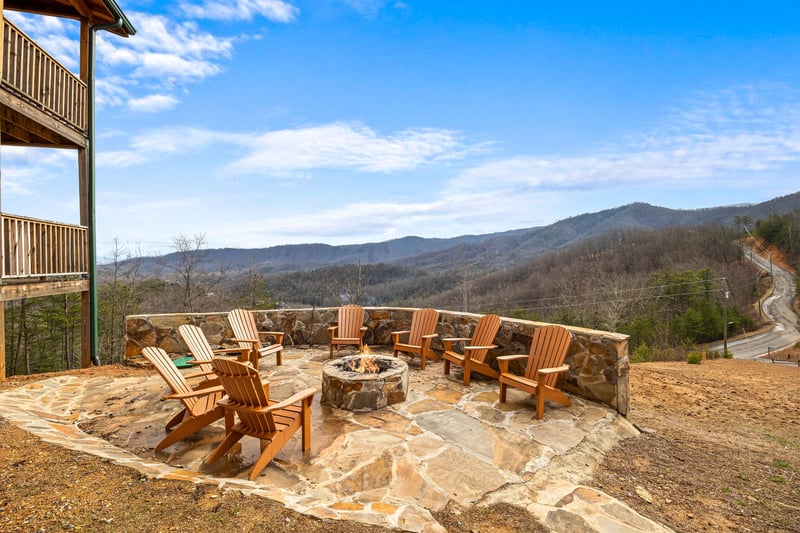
(778, 308)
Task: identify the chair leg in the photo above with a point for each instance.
(227, 443)
(306, 424)
(466, 371)
(279, 357)
(447, 366)
(175, 420)
(503, 390)
(539, 402)
(189, 427)
(422, 360)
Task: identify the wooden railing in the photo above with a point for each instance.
(35, 248)
(33, 73)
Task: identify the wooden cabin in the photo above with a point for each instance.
(43, 104)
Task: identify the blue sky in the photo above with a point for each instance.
(266, 122)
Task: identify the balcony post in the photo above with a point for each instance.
(83, 192)
(2, 304)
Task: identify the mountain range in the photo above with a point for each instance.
(490, 250)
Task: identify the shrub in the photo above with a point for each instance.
(694, 358)
(642, 354)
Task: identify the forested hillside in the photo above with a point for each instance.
(664, 287)
(490, 251)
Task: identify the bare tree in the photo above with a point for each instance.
(117, 298)
(351, 288)
(193, 283)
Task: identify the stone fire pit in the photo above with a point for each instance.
(347, 389)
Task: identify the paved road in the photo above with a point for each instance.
(778, 309)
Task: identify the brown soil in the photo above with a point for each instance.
(721, 448)
(721, 452)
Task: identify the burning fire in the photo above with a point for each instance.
(366, 364)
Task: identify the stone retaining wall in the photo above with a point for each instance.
(598, 359)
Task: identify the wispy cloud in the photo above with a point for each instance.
(56, 35)
(340, 145)
(371, 8)
(274, 10)
(152, 103)
(25, 169)
(721, 136)
(295, 152)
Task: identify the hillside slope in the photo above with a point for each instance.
(490, 251)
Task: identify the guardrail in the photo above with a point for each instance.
(34, 74)
(36, 248)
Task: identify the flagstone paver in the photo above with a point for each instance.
(390, 467)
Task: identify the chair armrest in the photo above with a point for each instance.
(504, 360)
(489, 347)
(193, 394)
(229, 350)
(251, 341)
(554, 370)
(397, 334)
(199, 374)
(293, 399)
(277, 334)
(448, 342)
(431, 336)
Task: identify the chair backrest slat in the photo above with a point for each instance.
(244, 388)
(243, 324)
(485, 331)
(351, 318)
(549, 348)
(170, 373)
(198, 345)
(423, 322)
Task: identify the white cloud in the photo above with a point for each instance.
(718, 136)
(152, 103)
(274, 10)
(26, 169)
(341, 145)
(293, 152)
(57, 36)
(166, 50)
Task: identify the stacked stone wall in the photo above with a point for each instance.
(598, 360)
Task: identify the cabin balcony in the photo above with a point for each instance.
(41, 257)
(41, 102)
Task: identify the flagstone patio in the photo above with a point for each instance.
(389, 467)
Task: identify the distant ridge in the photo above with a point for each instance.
(490, 250)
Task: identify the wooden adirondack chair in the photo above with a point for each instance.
(199, 404)
(202, 352)
(260, 417)
(419, 337)
(246, 333)
(349, 331)
(549, 348)
(475, 352)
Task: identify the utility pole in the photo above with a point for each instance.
(724, 317)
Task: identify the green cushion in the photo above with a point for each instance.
(183, 362)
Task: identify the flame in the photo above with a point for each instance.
(366, 365)
(366, 350)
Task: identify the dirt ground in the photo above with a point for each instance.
(720, 451)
